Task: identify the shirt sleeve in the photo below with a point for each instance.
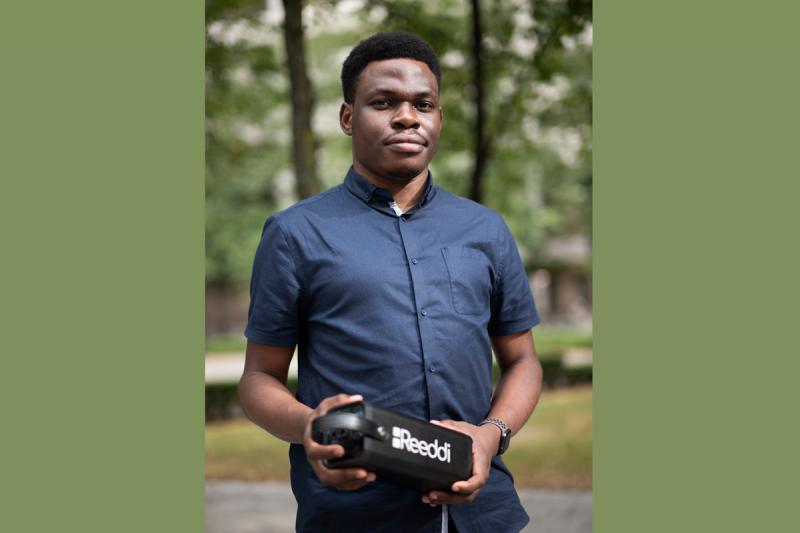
(513, 308)
(272, 318)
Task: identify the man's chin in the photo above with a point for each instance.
(404, 174)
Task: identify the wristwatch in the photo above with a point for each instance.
(505, 433)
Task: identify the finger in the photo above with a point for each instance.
(316, 451)
(479, 477)
(470, 485)
(345, 477)
(351, 486)
(452, 424)
(441, 497)
(339, 399)
(357, 484)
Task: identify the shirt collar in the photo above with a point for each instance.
(366, 191)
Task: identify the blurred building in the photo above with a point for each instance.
(562, 281)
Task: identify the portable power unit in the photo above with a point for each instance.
(400, 449)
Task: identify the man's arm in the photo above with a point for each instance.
(269, 404)
(514, 398)
(520, 384)
(264, 396)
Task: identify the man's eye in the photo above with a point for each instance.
(381, 104)
(424, 106)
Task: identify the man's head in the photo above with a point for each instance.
(388, 45)
(391, 90)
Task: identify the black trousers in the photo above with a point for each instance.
(451, 526)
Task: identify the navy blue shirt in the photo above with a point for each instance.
(399, 309)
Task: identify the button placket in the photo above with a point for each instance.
(417, 278)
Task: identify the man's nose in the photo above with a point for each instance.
(405, 116)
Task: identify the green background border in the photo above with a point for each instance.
(695, 266)
(102, 287)
(101, 214)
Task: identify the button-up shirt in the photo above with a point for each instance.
(399, 309)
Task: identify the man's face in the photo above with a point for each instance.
(395, 119)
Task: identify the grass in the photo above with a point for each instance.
(225, 344)
(554, 449)
(238, 449)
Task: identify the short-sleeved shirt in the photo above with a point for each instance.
(399, 309)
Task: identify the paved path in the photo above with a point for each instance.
(244, 507)
(227, 367)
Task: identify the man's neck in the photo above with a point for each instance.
(405, 194)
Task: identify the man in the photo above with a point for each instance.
(394, 291)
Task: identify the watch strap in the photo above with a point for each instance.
(505, 433)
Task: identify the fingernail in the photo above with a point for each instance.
(371, 477)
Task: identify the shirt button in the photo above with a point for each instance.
(433, 369)
(424, 313)
(414, 261)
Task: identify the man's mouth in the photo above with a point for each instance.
(405, 143)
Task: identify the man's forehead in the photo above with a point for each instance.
(398, 66)
(390, 73)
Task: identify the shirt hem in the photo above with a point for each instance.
(270, 340)
(517, 326)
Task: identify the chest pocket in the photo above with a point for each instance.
(468, 271)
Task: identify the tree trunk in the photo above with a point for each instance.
(303, 142)
(482, 143)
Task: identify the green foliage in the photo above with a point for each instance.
(538, 58)
(222, 399)
(243, 88)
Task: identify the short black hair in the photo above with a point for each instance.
(386, 45)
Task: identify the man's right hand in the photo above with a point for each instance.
(340, 478)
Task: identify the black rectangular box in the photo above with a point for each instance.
(399, 449)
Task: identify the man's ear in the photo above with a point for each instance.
(346, 118)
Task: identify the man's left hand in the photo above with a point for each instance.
(485, 441)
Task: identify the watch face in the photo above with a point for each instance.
(505, 440)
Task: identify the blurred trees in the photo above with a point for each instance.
(244, 85)
(301, 94)
(533, 133)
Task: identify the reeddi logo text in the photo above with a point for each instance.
(402, 440)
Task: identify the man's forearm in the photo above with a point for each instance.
(517, 392)
(269, 404)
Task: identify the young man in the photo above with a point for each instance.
(395, 291)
